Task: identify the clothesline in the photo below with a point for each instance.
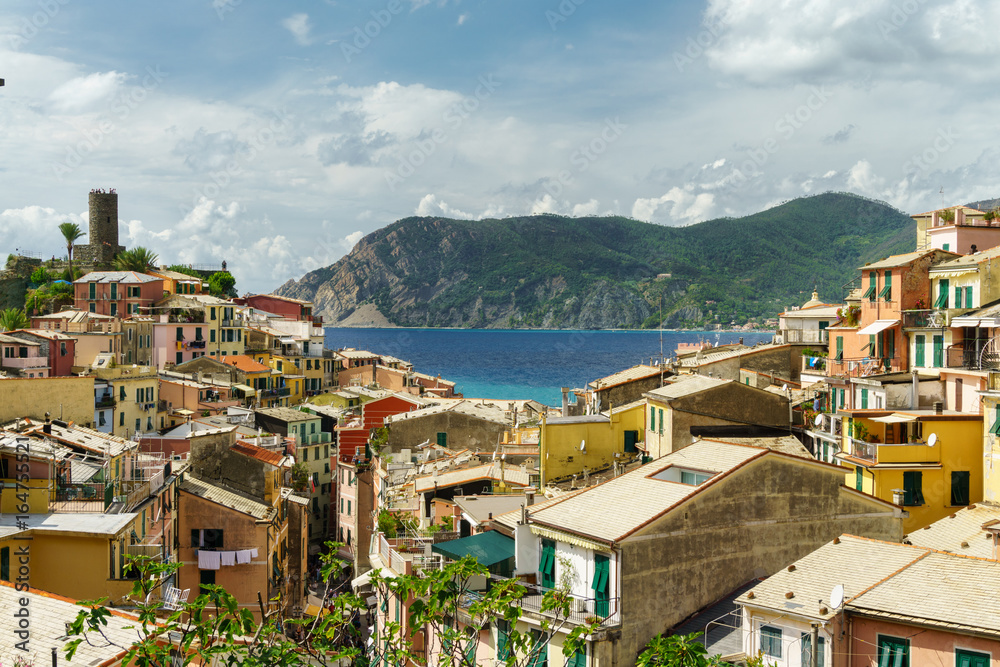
(210, 559)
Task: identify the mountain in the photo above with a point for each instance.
(550, 271)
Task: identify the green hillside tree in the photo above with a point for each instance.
(138, 259)
(71, 232)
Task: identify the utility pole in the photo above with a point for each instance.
(814, 646)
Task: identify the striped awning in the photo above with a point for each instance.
(894, 418)
(569, 538)
(954, 273)
(875, 327)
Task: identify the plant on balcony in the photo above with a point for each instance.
(947, 216)
(859, 431)
(849, 316)
(920, 304)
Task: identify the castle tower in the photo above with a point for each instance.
(103, 239)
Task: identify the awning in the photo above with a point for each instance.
(184, 412)
(287, 341)
(313, 610)
(954, 273)
(975, 321)
(363, 580)
(894, 419)
(488, 548)
(575, 540)
(875, 327)
(247, 391)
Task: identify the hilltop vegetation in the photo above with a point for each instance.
(606, 272)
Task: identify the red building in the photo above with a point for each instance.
(116, 293)
(293, 309)
(58, 347)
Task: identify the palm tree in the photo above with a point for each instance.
(71, 232)
(137, 259)
(13, 318)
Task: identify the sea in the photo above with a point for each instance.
(524, 364)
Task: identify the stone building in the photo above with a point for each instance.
(103, 237)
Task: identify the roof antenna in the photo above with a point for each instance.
(942, 196)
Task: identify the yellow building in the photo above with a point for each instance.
(991, 438)
(926, 461)
(135, 390)
(592, 442)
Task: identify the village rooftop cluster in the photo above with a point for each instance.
(826, 498)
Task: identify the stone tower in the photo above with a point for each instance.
(103, 237)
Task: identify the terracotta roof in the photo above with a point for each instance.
(116, 277)
(904, 259)
(244, 363)
(259, 453)
(227, 498)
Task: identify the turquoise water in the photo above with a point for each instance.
(518, 364)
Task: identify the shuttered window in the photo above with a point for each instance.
(840, 348)
(965, 658)
(918, 346)
(938, 351)
(547, 566)
(886, 292)
(942, 299)
(602, 585)
(913, 487)
(893, 652)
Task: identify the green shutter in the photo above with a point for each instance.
(938, 351)
(872, 286)
(652, 418)
(547, 567)
(859, 478)
(919, 347)
(442, 439)
(913, 487)
(661, 421)
(864, 398)
(886, 292)
(968, 296)
(942, 299)
(960, 488)
(601, 585)
(995, 429)
(840, 348)
(965, 658)
(578, 659)
(502, 641)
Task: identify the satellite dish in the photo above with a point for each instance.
(837, 596)
(784, 387)
(932, 440)
(819, 420)
(583, 445)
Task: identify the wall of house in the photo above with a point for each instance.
(239, 531)
(628, 392)
(211, 458)
(784, 361)
(561, 444)
(961, 239)
(792, 631)
(749, 524)
(971, 385)
(927, 646)
(66, 398)
(89, 345)
(464, 431)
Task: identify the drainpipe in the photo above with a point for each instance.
(915, 391)
(814, 646)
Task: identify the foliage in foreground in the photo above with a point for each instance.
(214, 627)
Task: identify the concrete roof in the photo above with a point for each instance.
(787, 443)
(4, 338)
(226, 497)
(480, 507)
(496, 471)
(485, 413)
(621, 377)
(578, 419)
(732, 352)
(961, 532)
(74, 315)
(286, 414)
(685, 386)
(635, 498)
(83, 523)
(350, 353)
(50, 613)
(86, 438)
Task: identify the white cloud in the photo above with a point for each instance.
(830, 174)
(547, 204)
(686, 207)
(351, 240)
(589, 208)
(431, 206)
(87, 92)
(462, 18)
(862, 178)
(298, 25)
(35, 229)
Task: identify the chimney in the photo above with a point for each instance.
(938, 407)
(915, 391)
(565, 402)
(529, 495)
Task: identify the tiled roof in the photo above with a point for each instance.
(637, 497)
(257, 452)
(244, 363)
(628, 375)
(960, 533)
(941, 589)
(496, 471)
(86, 523)
(510, 519)
(685, 386)
(787, 443)
(286, 414)
(357, 354)
(226, 497)
(86, 438)
(904, 259)
(116, 277)
(854, 562)
(50, 614)
(4, 338)
(483, 412)
(733, 352)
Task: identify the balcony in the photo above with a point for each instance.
(929, 319)
(88, 497)
(25, 363)
(865, 451)
(982, 357)
(105, 401)
(864, 366)
(830, 426)
(817, 336)
(581, 610)
(813, 364)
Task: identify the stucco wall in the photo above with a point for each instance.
(927, 646)
(629, 391)
(464, 431)
(66, 398)
(750, 524)
(211, 458)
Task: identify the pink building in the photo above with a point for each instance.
(177, 342)
(116, 293)
(22, 357)
(293, 309)
(58, 348)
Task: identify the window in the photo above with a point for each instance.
(197, 334)
(942, 299)
(179, 358)
(859, 478)
(693, 478)
(913, 493)
(211, 335)
(652, 419)
(995, 429)
(121, 418)
(138, 424)
(442, 439)
(872, 286)
(503, 632)
(807, 650)
(114, 308)
(886, 292)
(348, 508)
(602, 585)
(661, 420)
(864, 398)
(180, 333)
(547, 564)
(770, 641)
(960, 487)
(892, 652)
(539, 653)
(965, 658)
(5, 563)
(840, 349)
(938, 351)
(968, 297)
(918, 345)
(578, 659)
(631, 437)
(207, 577)
(211, 313)
(101, 418)
(92, 292)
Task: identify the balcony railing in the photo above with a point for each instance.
(88, 497)
(25, 362)
(818, 336)
(930, 319)
(107, 401)
(864, 366)
(983, 358)
(831, 425)
(866, 451)
(581, 609)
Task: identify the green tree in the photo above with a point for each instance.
(40, 276)
(136, 259)
(180, 268)
(300, 476)
(71, 232)
(676, 651)
(221, 283)
(13, 318)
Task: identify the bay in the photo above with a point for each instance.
(523, 364)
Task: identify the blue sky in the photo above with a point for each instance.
(275, 135)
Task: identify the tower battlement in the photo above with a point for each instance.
(103, 240)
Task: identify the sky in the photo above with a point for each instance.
(274, 136)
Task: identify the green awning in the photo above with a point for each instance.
(488, 548)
